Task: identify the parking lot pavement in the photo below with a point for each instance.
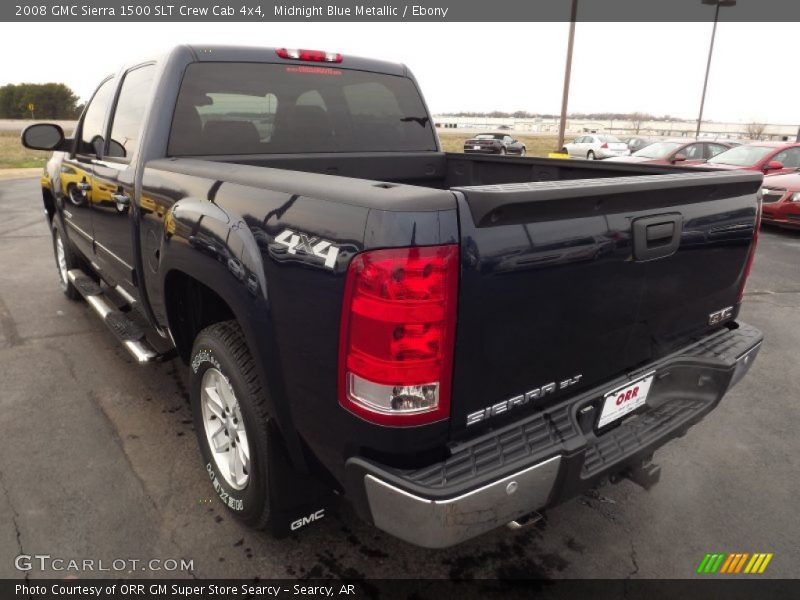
(98, 457)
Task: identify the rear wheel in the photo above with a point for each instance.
(590, 155)
(65, 260)
(238, 442)
(522, 152)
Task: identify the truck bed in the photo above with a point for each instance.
(559, 280)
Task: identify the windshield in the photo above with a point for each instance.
(255, 108)
(657, 150)
(741, 156)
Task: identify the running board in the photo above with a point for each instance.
(126, 331)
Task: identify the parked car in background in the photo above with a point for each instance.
(494, 143)
(670, 152)
(767, 157)
(636, 143)
(595, 146)
(781, 200)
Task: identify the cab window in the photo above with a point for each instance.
(129, 112)
(92, 139)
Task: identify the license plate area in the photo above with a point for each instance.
(624, 400)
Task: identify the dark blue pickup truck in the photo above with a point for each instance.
(451, 342)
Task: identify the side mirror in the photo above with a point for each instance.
(678, 157)
(773, 165)
(116, 149)
(43, 136)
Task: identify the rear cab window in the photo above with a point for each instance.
(129, 112)
(260, 108)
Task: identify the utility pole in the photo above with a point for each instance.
(717, 4)
(562, 124)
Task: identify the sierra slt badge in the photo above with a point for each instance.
(501, 407)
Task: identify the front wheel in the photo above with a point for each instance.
(502, 151)
(522, 152)
(65, 260)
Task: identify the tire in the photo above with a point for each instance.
(75, 196)
(590, 155)
(221, 360)
(503, 151)
(65, 260)
(565, 151)
(522, 152)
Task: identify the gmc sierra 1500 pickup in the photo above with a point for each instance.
(451, 342)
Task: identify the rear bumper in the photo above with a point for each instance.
(550, 456)
(487, 150)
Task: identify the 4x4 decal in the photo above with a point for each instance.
(309, 245)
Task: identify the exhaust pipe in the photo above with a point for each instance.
(525, 521)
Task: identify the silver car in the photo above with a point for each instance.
(595, 146)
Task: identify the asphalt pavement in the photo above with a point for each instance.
(98, 458)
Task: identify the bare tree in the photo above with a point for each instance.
(755, 130)
(636, 120)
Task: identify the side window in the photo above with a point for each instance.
(789, 157)
(713, 149)
(92, 134)
(693, 151)
(128, 114)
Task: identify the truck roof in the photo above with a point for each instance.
(221, 53)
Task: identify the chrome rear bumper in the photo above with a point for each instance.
(443, 523)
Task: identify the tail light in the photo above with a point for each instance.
(398, 333)
(310, 55)
(752, 254)
(605, 145)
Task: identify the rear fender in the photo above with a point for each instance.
(216, 248)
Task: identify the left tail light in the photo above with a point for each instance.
(752, 254)
(397, 335)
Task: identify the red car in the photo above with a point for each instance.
(767, 157)
(670, 152)
(781, 200)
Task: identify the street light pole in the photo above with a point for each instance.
(562, 123)
(717, 4)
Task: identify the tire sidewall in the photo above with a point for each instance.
(56, 236)
(251, 503)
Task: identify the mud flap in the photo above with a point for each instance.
(296, 499)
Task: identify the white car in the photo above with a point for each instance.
(595, 146)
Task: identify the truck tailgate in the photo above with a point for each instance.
(568, 284)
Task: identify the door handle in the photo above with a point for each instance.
(121, 198)
(655, 237)
(84, 186)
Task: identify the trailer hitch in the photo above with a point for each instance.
(646, 474)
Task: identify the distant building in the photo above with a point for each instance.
(617, 127)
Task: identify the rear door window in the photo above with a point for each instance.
(255, 108)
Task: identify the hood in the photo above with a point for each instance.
(790, 182)
(630, 159)
(722, 166)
